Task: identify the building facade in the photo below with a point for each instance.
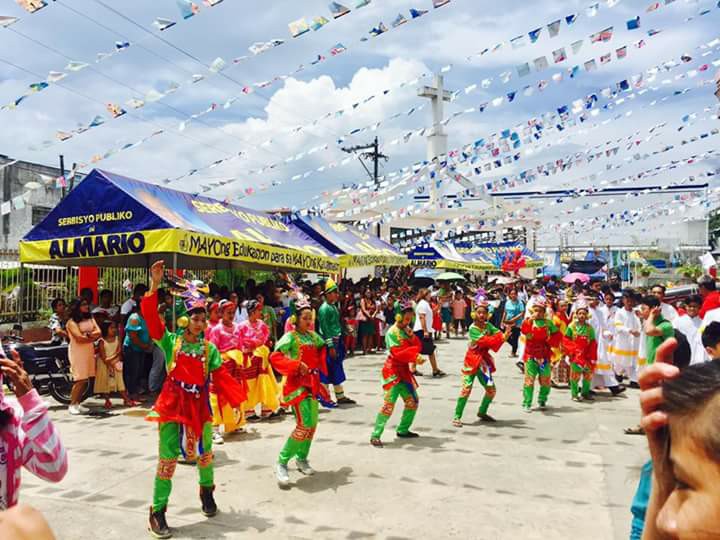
(37, 203)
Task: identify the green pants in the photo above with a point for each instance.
(578, 372)
(298, 444)
(466, 390)
(533, 369)
(391, 396)
(170, 450)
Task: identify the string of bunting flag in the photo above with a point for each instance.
(75, 66)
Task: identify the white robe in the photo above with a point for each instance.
(691, 329)
(642, 351)
(605, 339)
(669, 313)
(624, 351)
(604, 375)
(699, 354)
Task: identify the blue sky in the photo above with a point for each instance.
(446, 36)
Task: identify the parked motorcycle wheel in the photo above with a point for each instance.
(60, 389)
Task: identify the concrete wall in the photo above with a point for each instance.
(12, 183)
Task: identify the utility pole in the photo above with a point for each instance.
(373, 154)
(62, 172)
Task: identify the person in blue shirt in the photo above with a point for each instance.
(136, 346)
(514, 314)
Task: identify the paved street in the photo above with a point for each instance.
(565, 473)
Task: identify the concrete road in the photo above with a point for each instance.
(568, 472)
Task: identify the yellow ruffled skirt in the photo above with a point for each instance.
(263, 389)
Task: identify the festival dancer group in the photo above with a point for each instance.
(218, 374)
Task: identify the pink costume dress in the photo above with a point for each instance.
(227, 341)
(262, 385)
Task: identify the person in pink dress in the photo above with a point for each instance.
(83, 331)
(263, 389)
(224, 335)
(27, 436)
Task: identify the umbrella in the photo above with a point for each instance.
(573, 277)
(502, 280)
(449, 276)
(427, 273)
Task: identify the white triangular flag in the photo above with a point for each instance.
(56, 76)
(76, 66)
(6, 20)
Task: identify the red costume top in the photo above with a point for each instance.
(482, 341)
(293, 349)
(580, 344)
(710, 302)
(540, 337)
(404, 348)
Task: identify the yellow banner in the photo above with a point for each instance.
(451, 265)
(173, 241)
(356, 261)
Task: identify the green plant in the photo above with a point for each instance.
(236, 278)
(646, 270)
(690, 271)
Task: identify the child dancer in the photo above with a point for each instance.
(484, 337)
(398, 381)
(108, 373)
(253, 335)
(299, 355)
(581, 346)
(182, 409)
(560, 368)
(224, 335)
(541, 335)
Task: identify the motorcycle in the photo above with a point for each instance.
(46, 364)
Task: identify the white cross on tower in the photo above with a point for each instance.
(437, 138)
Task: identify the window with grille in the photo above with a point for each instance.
(39, 213)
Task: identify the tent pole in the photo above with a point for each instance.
(21, 294)
(174, 273)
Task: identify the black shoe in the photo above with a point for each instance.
(408, 435)
(346, 401)
(157, 526)
(588, 397)
(635, 385)
(209, 508)
(617, 390)
(592, 393)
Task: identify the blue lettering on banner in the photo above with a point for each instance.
(98, 246)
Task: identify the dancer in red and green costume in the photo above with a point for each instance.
(580, 344)
(398, 381)
(484, 337)
(541, 335)
(183, 407)
(300, 356)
